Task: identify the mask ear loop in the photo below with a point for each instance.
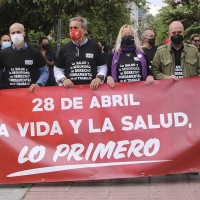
(85, 34)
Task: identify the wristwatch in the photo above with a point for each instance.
(101, 77)
(62, 79)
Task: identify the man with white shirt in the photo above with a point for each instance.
(80, 61)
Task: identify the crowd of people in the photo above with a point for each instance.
(84, 61)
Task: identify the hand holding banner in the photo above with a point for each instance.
(59, 134)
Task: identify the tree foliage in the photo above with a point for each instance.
(104, 16)
(185, 11)
(148, 22)
(104, 20)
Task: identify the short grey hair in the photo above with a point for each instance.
(81, 19)
(143, 35)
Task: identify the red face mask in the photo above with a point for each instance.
(75, 34)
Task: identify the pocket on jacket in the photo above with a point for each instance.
(191, 65)
(166, 62)
(166, 66)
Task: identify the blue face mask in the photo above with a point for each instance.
(4, 45)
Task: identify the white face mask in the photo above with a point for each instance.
(17, 38)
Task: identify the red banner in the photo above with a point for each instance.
(58, 134)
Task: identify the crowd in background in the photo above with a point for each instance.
(84, 61)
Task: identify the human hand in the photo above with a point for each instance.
(95, 83)
(31, 88)
(149, 79)
(175, 78)
(67, 83)
(110, 81)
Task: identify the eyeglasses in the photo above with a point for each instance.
(196, 40)
(77, 52)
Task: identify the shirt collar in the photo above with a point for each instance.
(21, 49)
(86, 39)
(171, 46)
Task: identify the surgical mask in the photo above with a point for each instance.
(5, 44)
(177, 39)
(75, 34)
(45, 46)
(128, 40)
(152, 41)
(17, 38)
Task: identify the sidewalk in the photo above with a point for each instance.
(174, 187)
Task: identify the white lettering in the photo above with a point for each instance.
(162, 120)
(77, 101)
(75, 152)
(117, 154)
(106, 101)
(56, 128)
(22, 130)
(113, 100)
(39, 128)
(136, 146)
(119, 150)
(75, 125)
(66, 107)
(140, 123)
(179, 115)
(102, 149)
(150, 123)
(61, 150)
(91, 127)
(40, 150)
(127, 123)
(107, 126)
(94, 102)
(37, 150)
(3, 130)
(151, 142)
(21, 157)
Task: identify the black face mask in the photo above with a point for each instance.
(45, 46)
(177, 39)
(128, 40)
(152, 41)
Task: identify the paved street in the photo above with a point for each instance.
(174, 187)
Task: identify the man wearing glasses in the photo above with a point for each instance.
(195, 40)
(177, 59)
(80, 61)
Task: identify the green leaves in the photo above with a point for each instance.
(188, 13)
(105, 17)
